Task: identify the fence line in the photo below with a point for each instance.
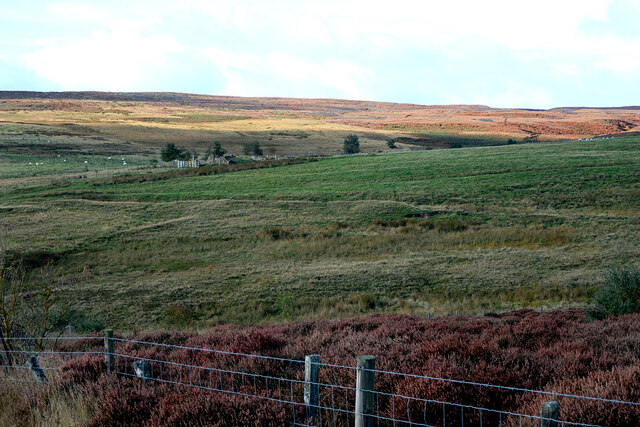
(472, 383)
(384, 406)
(60, 338)
(290, 401)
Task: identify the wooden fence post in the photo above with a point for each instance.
(364, 388)
(311, 386)
(550, 413)
(109, 356)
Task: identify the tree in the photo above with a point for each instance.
(256, 150)
(170, 152)
(246, 149)
(27, 309)
(351, 144)
(218, 151)
(391, 143)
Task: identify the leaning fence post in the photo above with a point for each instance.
(109, 356)
(311, 386)
(37, 371)
(364, 389)
(549, 414)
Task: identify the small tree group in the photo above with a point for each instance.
(254, 149)
(216, 150)
(351, 144)
(170, 152)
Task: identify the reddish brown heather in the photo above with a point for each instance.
(555, 351)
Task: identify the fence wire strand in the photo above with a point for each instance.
(328, 410)
(379, 371)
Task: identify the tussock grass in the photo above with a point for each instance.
(56, 405)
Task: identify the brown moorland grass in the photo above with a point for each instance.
(294, 126)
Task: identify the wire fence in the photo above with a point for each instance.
(310, 391)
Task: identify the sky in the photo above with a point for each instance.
(501, 53)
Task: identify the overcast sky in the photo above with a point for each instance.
(503, 53)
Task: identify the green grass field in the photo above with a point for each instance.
(503, 227)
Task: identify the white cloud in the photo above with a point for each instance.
(369, 49)
(284, 71)
(515, 95)
(546, 27)
(116, 60)
(617, 54)
(620, 62)
(102, 15)
(565, 69)
(517, 25)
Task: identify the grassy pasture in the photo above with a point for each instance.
(30, 156)
(503, 227)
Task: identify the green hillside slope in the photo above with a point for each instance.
(488, 228)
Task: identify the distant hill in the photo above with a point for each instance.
(294, 126)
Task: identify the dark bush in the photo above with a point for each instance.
(620, 294)
(450, 225)
(256, 149)
(275, 233)
(351, 144)
(81, 322)
(170, 152)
